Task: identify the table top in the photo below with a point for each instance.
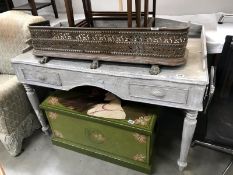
(216, 38)
(193, 72)
(215, 33)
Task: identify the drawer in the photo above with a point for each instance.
(101, 137)
(159, 93)
(41, 76)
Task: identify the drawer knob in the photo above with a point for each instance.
(41, 77)
(158, 93)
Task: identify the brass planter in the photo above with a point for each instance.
(162, 45)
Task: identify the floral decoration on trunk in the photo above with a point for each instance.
(140, 138)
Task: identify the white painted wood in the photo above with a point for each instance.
(190, 122)
(159, 92)
(35, 104)
(192, 72)
(52, 78)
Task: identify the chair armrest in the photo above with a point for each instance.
(211, 87)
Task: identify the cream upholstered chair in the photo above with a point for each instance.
(17, 119)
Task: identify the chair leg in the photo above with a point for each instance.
(33, 6)
(129, 9)
(228, 166)
(9, 4)
(146, 4)
(69, 12)
(138, 12)
(54, 8)
(88, 12)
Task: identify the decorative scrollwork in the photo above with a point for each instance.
(58, 134)
(53, 100)
(140, 138)
(139, 157)
(52, 115)
(95, 136)
(143, 121)
(162, 44)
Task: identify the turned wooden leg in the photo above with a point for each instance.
(189, 126)
(35, 105)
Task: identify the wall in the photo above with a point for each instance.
(165, 7)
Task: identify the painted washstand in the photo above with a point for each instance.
(123, 37)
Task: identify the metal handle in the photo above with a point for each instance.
(158, 93)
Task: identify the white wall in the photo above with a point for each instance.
(165, 7)
(177, 7)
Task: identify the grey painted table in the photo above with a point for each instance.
(181, 87)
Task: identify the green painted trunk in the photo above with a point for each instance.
(127, 142)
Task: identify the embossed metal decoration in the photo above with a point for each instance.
(130, 37)
(144, 46)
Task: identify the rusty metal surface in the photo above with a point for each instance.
(159, 42)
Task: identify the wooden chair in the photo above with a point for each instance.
(32, 6)
(90, 14)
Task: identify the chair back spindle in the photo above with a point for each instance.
(90, 15)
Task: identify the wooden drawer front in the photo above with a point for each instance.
(42, 77)
(101, 137)
(161, 93)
